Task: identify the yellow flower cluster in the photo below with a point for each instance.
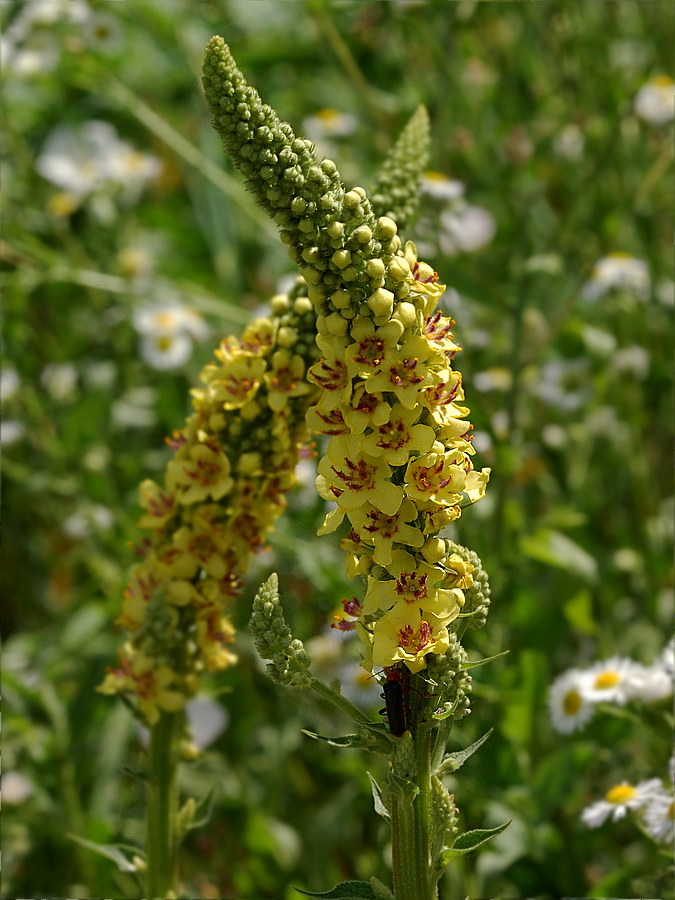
(223, 490)
(398, 463)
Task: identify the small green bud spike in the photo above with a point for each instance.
(477, 596)
(396, 191)
(273, 638)
(444, 813)
(331, 235)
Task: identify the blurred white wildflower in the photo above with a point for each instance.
(496, 379)
(619, 799)
(167, 331)
(102, 32)
(570, 142)
(86, 158)
(87, 520)
(48, 12)
(59, 380)
(358, 685)
(207, 720)
(439, 186)
(667, 660)
(655, 101)
(465, 229)
(563, 383)
(621, 271)
(633, 360)
(135, 408)
(135, 262)
(28, 47)
(665, 292)
(613, 680)
(569, 705)
(15, 788)
(328, 123)
(99, 373)
(165, 351)
(11, 431)
(36, 55)
(9, 383)
(650, 684)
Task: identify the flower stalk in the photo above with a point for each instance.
(162, 808)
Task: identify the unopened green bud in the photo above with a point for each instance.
(375, 268)
(335, 230)
(279, 304)
(406, 314)
(399, 269)
(381, 302)
(337, 324)
(340, 299)
(363, 234)
(385, 228)
(341, 258)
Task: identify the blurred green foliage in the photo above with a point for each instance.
(532, 109)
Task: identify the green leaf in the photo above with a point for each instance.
(555, 549)
(454, 761)
(378, 802)
(347, 740)
(112, 852)
(579, 612)
(346, 890)
(470, 841)
(484, 661)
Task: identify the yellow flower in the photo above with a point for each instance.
(258, 336)
(234, 383)
(438, 331)
(415, 584)
(285, 379)
(369, 345)
(140, 675)
(458, 572)
(436, 477)
(373, 526)
(201, 471)
(441, 399)
(197, 548)
(332, 377)
(366, 410)
(354, 477)
(397, 438)
(214, 634)
(330, 422)
(159, 505)
(403, 635)
(405, 371)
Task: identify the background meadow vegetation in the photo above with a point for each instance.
(533, 110)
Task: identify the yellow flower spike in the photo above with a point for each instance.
(405, 371)
(436, 477)
(198, 549)
(415, 583)
(382, 531)
(355, 477)
(200, 471)
(403, 635)
(397, 438)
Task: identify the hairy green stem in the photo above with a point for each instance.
(162, 808)
(406, 883)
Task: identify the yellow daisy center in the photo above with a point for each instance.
(571, 702)
(607, 679)
(619, 794)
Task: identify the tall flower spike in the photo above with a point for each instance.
(273, 638)
(396, 191)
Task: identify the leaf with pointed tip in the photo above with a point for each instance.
(112, 852)
(378, 802)
(483, 662)
(203, 811)
(454, 761)
(470, 841)
(382, 892)
(347, 740)
(346, 890)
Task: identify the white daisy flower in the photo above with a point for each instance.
(618, 800)
(569, 705)
(165, 351)
(650, 684)
(613, 680)
(169, 318)
(329, 123)
(439, 186)
(465, 229)
(75, 159)
(655, 101)
(621, 271)
(659, 818)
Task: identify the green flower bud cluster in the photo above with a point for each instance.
(454, 682)
(396, 192)
(342, 249)
(477, 596)
(445, 815)
(273, 638)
